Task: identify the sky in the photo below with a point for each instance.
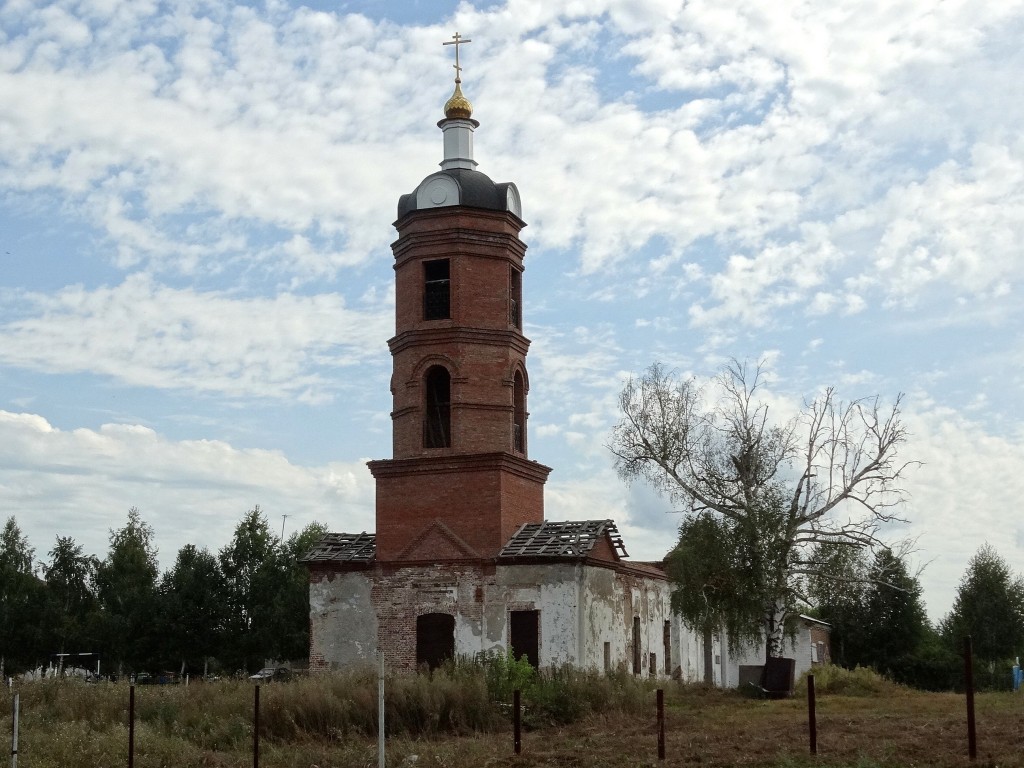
(196, 208)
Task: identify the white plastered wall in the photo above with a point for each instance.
(581, 607)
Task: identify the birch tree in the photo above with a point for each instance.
(830, 474)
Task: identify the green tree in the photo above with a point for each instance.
(827, 475)
(253, 565)
(21, 609)
(126, 585)
(896, 620)
(837, 588)
(71, 605)
(873, 607)
(703, 571)
(193, 609)
(293, 613)
(989, 606)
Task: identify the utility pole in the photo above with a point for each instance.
(283, 518)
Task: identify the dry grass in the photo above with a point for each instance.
(304, 724)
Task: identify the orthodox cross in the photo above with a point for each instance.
(457, 40)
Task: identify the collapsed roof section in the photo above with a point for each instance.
(342, 548)
(569, 539)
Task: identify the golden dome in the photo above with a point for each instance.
(458, 105)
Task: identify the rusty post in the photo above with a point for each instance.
(256, 728)
(812, 718)
(15, 710)
(131, 726)
(517, 738)
(972, 735)
(661, 724)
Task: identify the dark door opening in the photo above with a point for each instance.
(435, 639)
(524, 636)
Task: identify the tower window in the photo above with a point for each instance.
(436, 290)
(516, 298)
(518, 414)
(437, 431)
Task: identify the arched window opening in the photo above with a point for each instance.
(437, 431)
(515, 290)
(435, 639)
(519, 414)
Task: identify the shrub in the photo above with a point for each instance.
(860, 681)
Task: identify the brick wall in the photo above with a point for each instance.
(482, 498)
(400, 595)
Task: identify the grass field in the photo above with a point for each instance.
(449, 722)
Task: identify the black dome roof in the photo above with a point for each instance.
(476, 190)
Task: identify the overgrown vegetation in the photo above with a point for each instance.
(455, 718)
(860, 681)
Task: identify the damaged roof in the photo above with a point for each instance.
(342, 547)
(570, 538)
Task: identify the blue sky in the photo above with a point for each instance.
(196, 202)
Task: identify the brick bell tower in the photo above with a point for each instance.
(460, 483)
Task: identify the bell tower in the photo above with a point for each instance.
(460, 482)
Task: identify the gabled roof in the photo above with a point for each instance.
(342, 548)
(568, 539)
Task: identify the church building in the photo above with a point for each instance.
(463, 560)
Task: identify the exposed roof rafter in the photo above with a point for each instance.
(342, 547)
(567, 539)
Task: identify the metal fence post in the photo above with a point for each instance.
(131, 726)
(517, 741)
(381, 760)
(972, 735)
(14, 731)
(812, 718)
(256, 728)
(661, 724)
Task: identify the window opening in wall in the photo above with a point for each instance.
(607, 657)
(515, 298)
(636, 646)
(435, 639)
(652, 664)
(524, 636)
(437, 431)
(436, 290)
(519, 414)
(666, 638)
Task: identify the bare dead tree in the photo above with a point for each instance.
(830, 474)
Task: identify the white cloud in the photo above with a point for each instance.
(145, 334)
(80, 483)
(967, 492)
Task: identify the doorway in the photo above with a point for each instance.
(524, 636)
(435, 639)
